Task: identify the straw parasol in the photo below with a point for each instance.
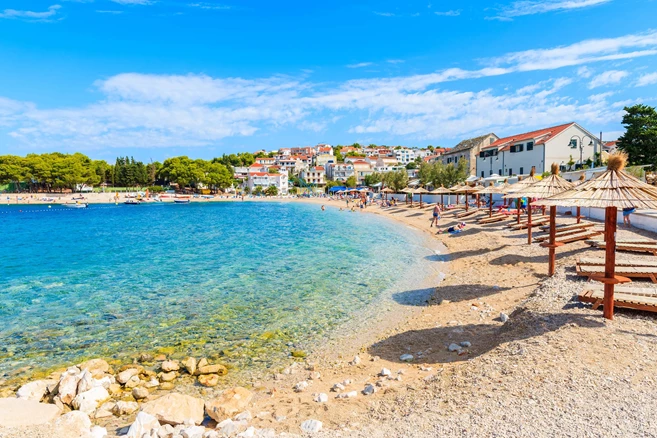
(455, 189)
(407, 191)
(420, 191)
(545, 188)
(442, 191)
(387, 190)
(521, 184)
(490, 190)
(468, 189)
(610, 190)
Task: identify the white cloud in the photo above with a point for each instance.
(608, 78)
(31, 15)
(647, 79)
(525, 7)
(453, 13)
(211, 6)
(109, 12)
(584, 72)
(384, 14)
(395, 61)
(359, 65)
(134, 2)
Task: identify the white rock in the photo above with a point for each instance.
(369, 389)
(351, 394)
(406, 357)
(16, 412)
(314, 375)
(248, 433)
(98, 432)
(321, 397)
(385, 372)
(105, 382)
(338, 387)
(504, 317)
(311, 426)
(34, 390)
(86, 382)
(356, 360)
(244, 416)
(89, 401)
(465, 344)
(230, 427)
(75, 423)
(143, 424)
(140, 393)
(193, 432)
(125, 375)
(132, 382)
(346, 382)
(68, 385)
(301, 386)
(125, 408)
(211, 434)
(454, 347)
(170, 365)
(153, 383)
(166, 431)
(175, 408)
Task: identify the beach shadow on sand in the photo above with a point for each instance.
(454, 294)
(459, 254)
(512, 259)
(434, 342)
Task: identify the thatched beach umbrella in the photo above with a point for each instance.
(408, 191)
(610, 190)
(420, 191)
(387, 190)
(490, 190)
(521, 184)
(467, 190)
(455, 189)
(441, 191)
(546, 188)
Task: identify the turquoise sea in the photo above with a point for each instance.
(244, 283)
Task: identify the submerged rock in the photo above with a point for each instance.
(213, 369)
(170, 365)
(208, 380)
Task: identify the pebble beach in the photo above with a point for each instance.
(497, 349)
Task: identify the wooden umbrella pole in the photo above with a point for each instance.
(579, 216)
(610, 261)
(529, 220)
(466, 201)
(420, 200)
(553, 240)
(490, 206)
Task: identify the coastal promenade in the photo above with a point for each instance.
(498, 349)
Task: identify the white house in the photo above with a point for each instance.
(340, 171)
(264, 180)
(314, 175)
(405, 155)
(517, 154)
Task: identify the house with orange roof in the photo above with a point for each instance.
(517, 154)
(266, 161)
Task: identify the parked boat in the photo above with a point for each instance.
(132, 202)
(181, 201)
(76, 205)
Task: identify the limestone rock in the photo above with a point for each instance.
(311, 426)
(153, 383)
(190, 365)
(454, 347)
(125, 408)
(143, 424)
(356, 360)
(321, 398)
(229, 427)
(232, 401)
(133, 382)
(170, 365)
(86, 382)
(385, 372)
(167, 386)
(125, 375)
(96, 367)
(301, 386)
(75, 423)
(175, 409)
(168, 377)
(140, 393)
(89, 401)
(369, 389)
(68, 385)
(208, 379)
(114, 389)
(504, 317)
(35, 390)
(213, 369)
(17, 412)
(193, 432)
(244, 416)
(406, 357)
(98, 432)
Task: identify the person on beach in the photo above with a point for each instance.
(452, 230)
(626, 215)
(436, 215)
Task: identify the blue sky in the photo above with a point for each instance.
(158, 78)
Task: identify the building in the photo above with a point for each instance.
(307, 150)
(266, 161)
(323, 160)
(519, 153)
(468, 150)
(264, 180)
(404, 155)
(339, 171)
(324, 149)
(315, 176)
(362, 168)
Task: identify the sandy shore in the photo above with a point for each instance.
(555, 368)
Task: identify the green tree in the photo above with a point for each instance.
(411, 165)
(271, 191)
(396, 180)
(331, 183)
(217, 176)
(372, 178)
(571, 163)
(351, 181)
(12, 169)
(257, 191)
(640, 138)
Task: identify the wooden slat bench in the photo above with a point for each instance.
(625, 271)
(621, 299)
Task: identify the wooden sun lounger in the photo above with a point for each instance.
(493, 218)
(625, 271)
(600, 261)
(583, 235)
(647, 291)
(621, 299)
(467, 213)
(535, 223)
(595, 242)
(632, 247)
(566, 227)
(561, 234)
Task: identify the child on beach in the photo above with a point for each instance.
(626, 215)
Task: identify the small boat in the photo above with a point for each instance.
(132, 202)
(76, 205)
(181, 201)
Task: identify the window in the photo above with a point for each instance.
(522, 170)
(490, 172)
(519, 148)
(513, 149)
(530, 146)
(499, 171)
(482, 173)
(510, 172)
(573, 143)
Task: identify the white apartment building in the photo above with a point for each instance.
(405, 155)
(517, 154)
(340, 171)
(264, 180)
(315, 176)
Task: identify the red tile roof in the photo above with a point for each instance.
(540, 136)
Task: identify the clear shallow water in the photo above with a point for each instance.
(244, 283)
